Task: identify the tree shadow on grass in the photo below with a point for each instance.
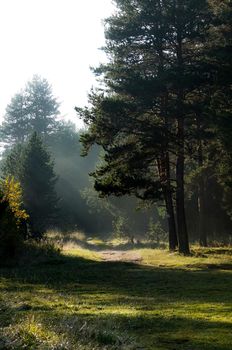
(147, 332)
(148, 303)
(122, 332)
(126, 278)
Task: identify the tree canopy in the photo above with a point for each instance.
(160, 86)
(33, 109)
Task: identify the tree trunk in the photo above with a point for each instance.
(166, 177)
(201, 211)
(164, 161)
(180, 202)
(180, 162)
(180, 193)
(201, 193)
(173, 243)
(164, 173)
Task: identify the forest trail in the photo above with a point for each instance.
(120, 255)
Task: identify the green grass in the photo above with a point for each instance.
(77, 301)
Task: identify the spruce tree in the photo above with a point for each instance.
(38, 181)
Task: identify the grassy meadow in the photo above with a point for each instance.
(96, 295)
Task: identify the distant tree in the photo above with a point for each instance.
(42, 107)
(33, 109)
(79, 205)
(16, 127)
(74, 210)
(38, 181)
(65, 140)
(12, 162)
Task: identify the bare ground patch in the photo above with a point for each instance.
(117, 255)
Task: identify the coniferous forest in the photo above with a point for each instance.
(117, 234)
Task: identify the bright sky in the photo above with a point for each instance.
(57, 39)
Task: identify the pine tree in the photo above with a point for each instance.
(12, 162)
(220, 52)
(38, 181)
(212, 108)
(34, 109)
(156, 66)
(41, 106)
(16, 127)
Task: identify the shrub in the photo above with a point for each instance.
(155, 232)
(12, 218)
(121, 228)
(44, 251)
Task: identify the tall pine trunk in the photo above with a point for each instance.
(173, 242)
(172, 237)
(180, 162)
(201, 193)
(201, 213)
(180, 197)
(164, 173)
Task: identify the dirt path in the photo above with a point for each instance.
(120, 255)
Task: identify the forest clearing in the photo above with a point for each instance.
(80, 299)
(116, 175)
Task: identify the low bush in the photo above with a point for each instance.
(36, 252)
(12, 218)
(11, 236)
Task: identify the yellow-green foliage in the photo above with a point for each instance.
(12, 216)
(12, 194)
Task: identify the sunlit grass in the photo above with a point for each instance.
(70, 250)
(67, 237)
(200, 258)
(165, 302)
